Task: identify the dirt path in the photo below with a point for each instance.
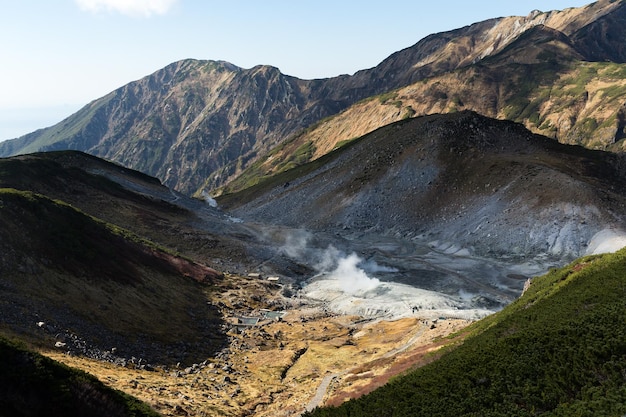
(408, 344)
(322, 389)
(317, 399)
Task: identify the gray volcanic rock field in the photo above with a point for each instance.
(488, 187)
(458, 204)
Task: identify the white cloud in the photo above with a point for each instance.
(135, 8)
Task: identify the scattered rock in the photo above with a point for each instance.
(180, 411)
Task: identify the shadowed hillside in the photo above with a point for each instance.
(33, 385)
(92, 283)
(129, 199)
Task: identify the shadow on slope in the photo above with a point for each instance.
(93, 287)
(33, 385)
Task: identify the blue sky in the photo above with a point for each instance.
(58, 55)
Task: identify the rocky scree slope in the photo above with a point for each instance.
(196, 124)
(491, 187)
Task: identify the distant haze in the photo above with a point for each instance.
(21, 121)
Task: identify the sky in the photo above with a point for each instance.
(58, 55)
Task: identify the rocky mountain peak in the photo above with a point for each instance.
(197, 125)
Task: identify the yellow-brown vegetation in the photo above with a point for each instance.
(278, 367)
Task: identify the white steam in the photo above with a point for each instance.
(208, 199)
(296, 244)
(606, 241)
(328, 259)
(348, 284)
(350, 271)
(352, 279)
(466, 296)
(371, 267)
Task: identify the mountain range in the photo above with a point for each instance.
(197, 124)
(476, 174)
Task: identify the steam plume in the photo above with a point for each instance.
(349, 271)
(353, 279)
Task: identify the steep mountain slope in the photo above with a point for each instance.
(32, 385)
(196, 124)
(488, 186)
(538, 80)
(557, 351)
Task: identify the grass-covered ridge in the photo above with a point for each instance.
(559, 350)
(57, 230)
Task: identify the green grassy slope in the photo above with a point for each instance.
(559, 350)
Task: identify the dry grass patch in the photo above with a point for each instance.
(274, 368)
(416, 350)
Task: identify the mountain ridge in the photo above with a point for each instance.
(197, 124)
(575, 102)
(459, 178)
